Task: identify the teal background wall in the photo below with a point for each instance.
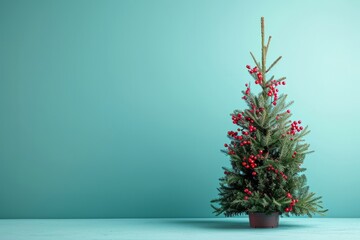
(119, 108)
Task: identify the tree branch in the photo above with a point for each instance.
(267, 45)
(253, 57)
(280, 79)
(263, 57)
(273, 64)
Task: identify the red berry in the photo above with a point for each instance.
(288, 111)
(225, 145)
(261, 152)
(254, 173)
(248, 66)
(274, 103)
(287, 210)
(283, 82)
(246, 198)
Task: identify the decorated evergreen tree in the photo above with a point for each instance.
(266, 152)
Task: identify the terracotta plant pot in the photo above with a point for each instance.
(262, 220)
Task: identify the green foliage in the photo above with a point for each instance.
(276, 182)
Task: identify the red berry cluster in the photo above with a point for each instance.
(271, 168)
(247, 191)
(247, 92)
(273, 91)
(235, 135)
(244, 137)
(252, 128)
(236, 118)
(232, 134)
(245, 142)
(226, 172)
(241, 138)
(249, 120)
(231, 152)
(292, 204)
(250, 162)
(295, 127)
(294, 154)
(255, 70)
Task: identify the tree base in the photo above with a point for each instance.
(261, 220)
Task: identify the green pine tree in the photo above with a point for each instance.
(266, 153)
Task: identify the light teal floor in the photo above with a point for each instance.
(178, 228)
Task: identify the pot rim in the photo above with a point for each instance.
(263, 213)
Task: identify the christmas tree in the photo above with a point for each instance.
(266, 152)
